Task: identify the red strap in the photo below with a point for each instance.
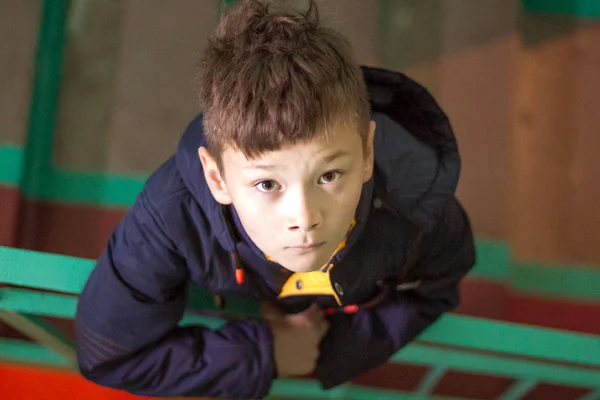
(239, 276)
(350, 309)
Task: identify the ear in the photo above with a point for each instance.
(213, 177)
(369, 153)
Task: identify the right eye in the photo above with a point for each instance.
(267, 186)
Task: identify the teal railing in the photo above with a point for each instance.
(46, 285)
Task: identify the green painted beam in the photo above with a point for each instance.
(98, 189)
(44, 103)
(11, 165)
(571, 282)
(493, 259)
(514, 339)
(43, 270)
(494, 365)
(68, 187)
(582, 9)
(31, 353)
(38, 303)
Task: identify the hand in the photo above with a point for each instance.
(296, 338)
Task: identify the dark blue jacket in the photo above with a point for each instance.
(127, 323)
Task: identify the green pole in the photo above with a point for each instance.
(44, 103)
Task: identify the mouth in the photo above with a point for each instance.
(305, 248)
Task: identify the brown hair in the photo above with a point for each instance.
(273, 75)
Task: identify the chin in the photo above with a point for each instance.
(302, 268)
(303, 263)
(310, 269)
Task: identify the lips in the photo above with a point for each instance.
(305, 248)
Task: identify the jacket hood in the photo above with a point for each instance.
(417, 164)
(416, 154)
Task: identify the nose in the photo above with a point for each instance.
(304, 212)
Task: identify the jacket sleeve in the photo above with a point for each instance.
(127, 333)
(362, 341)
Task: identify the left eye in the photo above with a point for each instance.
(330, 177)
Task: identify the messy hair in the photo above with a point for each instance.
(273, 75)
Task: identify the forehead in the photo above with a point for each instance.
(341, 140)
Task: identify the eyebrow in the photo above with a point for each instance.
(261, 166)
(335, 156)
(328, 159)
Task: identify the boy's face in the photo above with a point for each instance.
(296, 203)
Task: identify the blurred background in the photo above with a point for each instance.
(96, 93)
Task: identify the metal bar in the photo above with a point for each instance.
(514, 339)
(43, 333)
(428, 383)
(461, 360)
(37, 270)
(518, 390)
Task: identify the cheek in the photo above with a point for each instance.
(350, 195)
(256, 217)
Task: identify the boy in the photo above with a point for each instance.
(322, 188)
